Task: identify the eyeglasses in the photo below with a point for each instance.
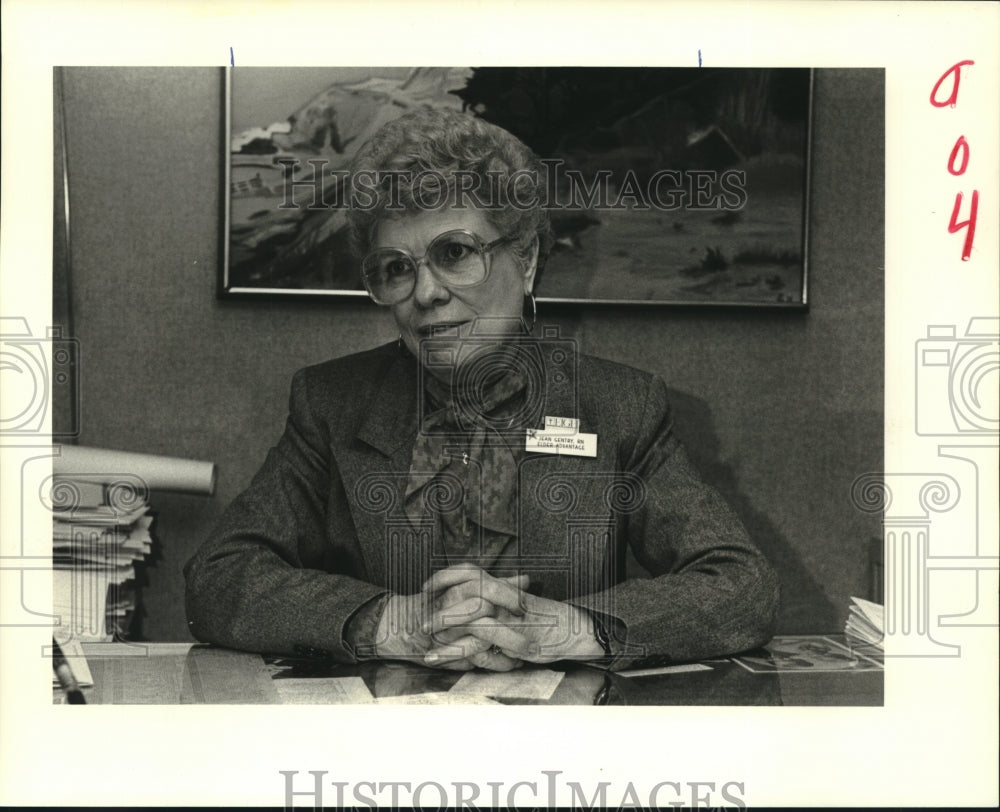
(458, 259)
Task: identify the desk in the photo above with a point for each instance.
(182, 673)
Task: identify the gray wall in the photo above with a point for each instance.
(781, 411)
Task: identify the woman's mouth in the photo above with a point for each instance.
(440, 329)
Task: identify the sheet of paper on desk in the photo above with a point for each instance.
(323, 691)
(436, 698)
(666, 669)
(508, 685)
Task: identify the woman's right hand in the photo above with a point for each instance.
(401, 635)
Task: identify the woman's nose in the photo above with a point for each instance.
(428, 290)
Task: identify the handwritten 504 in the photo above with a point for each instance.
(958, 161)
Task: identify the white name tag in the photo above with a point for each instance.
(561, 442)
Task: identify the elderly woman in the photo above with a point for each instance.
(464, 497)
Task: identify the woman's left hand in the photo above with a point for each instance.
(520, 625)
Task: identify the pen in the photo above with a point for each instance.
(74, 696)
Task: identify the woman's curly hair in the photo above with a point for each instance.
(425, 158)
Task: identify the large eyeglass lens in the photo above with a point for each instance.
(455, 257)
(458, 258)
(390, 274)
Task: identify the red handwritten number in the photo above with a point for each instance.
(970, 224)
(955, 72)
(961, 152)
(963, 145)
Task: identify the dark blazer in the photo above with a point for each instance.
(320, 531)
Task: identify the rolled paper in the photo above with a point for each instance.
(158, 473)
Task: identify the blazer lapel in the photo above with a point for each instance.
(375, 469)
(391, 419)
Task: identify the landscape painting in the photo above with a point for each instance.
(681, 186)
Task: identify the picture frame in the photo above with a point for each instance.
(666, 186)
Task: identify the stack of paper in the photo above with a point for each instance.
(101, 528)
(865, 624)
(97, 536)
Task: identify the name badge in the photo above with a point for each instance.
(561, 435)
(562, 425)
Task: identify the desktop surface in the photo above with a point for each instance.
(794, 671)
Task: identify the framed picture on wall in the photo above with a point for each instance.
(677, 186)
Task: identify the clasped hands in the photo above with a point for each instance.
(465, 618)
